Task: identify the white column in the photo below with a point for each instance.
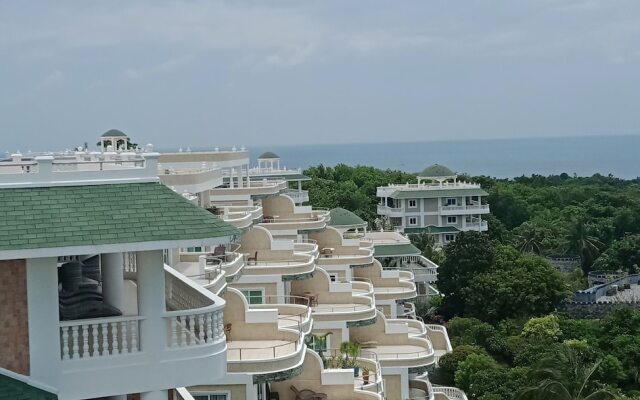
(248, 179)
(151, 303)
(155, 395)
(112, 269)
(44, 323)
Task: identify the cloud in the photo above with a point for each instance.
(51, 79)
(169, 65)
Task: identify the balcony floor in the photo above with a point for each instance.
(258, 349)
(398, 351)
(328, 307)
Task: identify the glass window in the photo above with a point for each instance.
(254, 296)
(413, 221)
(451, 201)
(211, 396)
(452, 220)
(413, 203)
(449, 237)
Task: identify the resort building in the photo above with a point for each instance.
(439, 204)
(217, 285)
(88, 308)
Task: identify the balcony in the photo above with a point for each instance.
(390, 211)
(388, 284)
(308, 220)
(191, 180)
(210, 269)
(298, 196)
(260, 340)
(421, 389)
(333, 301)
(306, 246)
(254, 189)
(448, 393)
(423, 269)
(476, 226)
(393, 345)
(464, 209)
(182, 344)
(293, 311)
(296, 264)
(335, 383)
(335, 250)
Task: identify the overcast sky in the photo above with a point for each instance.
(205, 73)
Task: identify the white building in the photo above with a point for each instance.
(89, 309)
(439, 204)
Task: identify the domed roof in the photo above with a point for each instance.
(345, 218)
(437, 171)
(268, 155)
(114, 133)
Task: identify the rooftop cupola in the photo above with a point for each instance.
(436, 173)
(114, 140)
(268, 160)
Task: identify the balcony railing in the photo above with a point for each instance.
(99, 337)
(465, 208)
(453, 393)
(194, 319)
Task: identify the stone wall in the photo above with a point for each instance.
(586, 309)
(14, 317)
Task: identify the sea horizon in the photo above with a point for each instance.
(501, 158)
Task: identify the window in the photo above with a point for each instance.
(212, 396)
(413, 221)
(452, 220)
(254, 296)
(449, 237)
(451, 201)
(321, 344)
(413, 204)
(468, 219)
(333, 276)
(193, 250)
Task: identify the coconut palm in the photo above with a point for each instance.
(577, 241)
(529, 239)
(564, 376)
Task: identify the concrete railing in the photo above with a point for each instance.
(453, 393)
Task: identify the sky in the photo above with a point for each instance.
(210, 73)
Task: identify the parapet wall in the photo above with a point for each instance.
(587, 309)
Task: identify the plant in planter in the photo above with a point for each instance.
(335, 361)
(351, 350)
(365, 374)
(319, 344)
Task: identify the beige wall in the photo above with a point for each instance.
(310, 378)
(319, 285)
(329, 237)
(238, 392)
(376, 332)
(14, 317)
(281, 206)
(234, 312)
(393, 387)
(270, 289)
(259, 239)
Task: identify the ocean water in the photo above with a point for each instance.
(502, 158)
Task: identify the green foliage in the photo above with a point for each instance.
(624, 254)
(470, 367)
(543, 328)
(449, 362)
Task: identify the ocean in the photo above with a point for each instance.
(502, 158)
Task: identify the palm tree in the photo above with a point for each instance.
(564, 376)
(577, 241)
(528, 239)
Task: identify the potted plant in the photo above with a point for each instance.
(365, 374)
(351, 350)
(318, 343)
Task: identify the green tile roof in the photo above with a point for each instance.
(395, 250)
(342, 217)
(436, 171)
(113, 133)
(435, 193)
(13, 389)
(63, 216)
(268, 155)
(432, 229)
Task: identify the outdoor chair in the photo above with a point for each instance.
(307, 394)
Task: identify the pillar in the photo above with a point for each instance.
(155, 395)
(151, 303)
(44, 322)
(112, 270)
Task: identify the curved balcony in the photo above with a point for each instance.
(345, 256)
(293, 311)
(307, 246)
(388, 284)
(420, 389)
(299, 264)
(359, 308)
(212, 270)
(192, 180)
(399, 290)
(448, 393)
(301, 222)
(256, 189)
(299, 196)
(362, 286)
(415, 327)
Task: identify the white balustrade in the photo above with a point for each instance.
(99, 337)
